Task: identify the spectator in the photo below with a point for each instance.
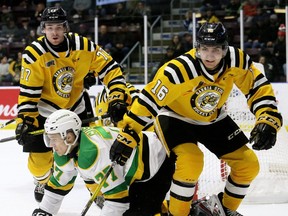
(209, 16)
(187, 42)
(120, 14)
(280, 47)
(15, 68)
(24, 29)
(10, 31)
(105, 39)
(31, 36)
(249, 8)
(205, 4)
(6, 15)
(272, 68)
(139, 11)
(122, 43)
(5, 76)
(36, 17)
(260, 32)
(177, 45)
(169, 55)
(188, 22)
(272, 26)
(232, 8)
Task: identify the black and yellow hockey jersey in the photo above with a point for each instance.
(101, 103)
(52, 80)
(184, 86)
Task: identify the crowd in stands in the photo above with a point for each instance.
(120, 27)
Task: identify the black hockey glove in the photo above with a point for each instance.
(89, 80)
(40, 212)
(263, 136)
(264, 133)
(123, 146)
(117, 105)
(23, 129)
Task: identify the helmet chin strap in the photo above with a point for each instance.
(68, 151)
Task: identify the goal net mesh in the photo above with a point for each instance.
(271, 184)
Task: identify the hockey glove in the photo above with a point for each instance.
(117, 104)
(40, 212)
(123, 146)
(264, 133)
(89, 80)
(23, 129)
(263, 136)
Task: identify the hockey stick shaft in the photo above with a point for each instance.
(7, 123)
(96, 118)
(96, 192)
(37, 132)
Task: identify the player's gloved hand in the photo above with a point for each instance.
(89, 80)
(263, 136)
(40, 212)
(123, 146)
(117, 104)
(23, 129)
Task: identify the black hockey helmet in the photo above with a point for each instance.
(212, 34)
(54, 15)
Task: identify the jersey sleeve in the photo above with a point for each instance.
(107, 69)
(31, 83)
(259, 93)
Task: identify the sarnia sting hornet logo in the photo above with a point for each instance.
(63, 81)
(205, 100)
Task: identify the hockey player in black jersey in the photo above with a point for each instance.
(53, 69)
(186, 102)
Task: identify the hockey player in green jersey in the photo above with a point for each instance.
(53, 69)
(186, 101)
(86, 151)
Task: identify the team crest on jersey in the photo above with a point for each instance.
(63, 81)
(205, 100)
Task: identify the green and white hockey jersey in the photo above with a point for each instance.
(91, 161)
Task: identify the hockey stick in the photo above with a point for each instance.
(96, 192)
(37, 132)
(7, 123)
(96, 118)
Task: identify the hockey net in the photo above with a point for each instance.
(271, 184)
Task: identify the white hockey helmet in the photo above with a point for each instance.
(62, 121)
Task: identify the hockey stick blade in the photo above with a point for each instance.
(96, 192)
(37, 132)
(96, 118)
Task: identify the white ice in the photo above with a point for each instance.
(17, 198)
